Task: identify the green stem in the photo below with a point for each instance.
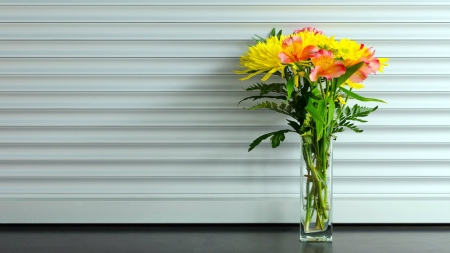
(316, 157)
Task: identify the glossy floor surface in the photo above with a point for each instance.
(220, 238)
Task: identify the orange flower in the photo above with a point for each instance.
(294, 50)
(326, 66)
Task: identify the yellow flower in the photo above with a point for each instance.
(353, 85)
(348, 50)
(262, 57)
(382, 64)
(313, 38)
(341, 100)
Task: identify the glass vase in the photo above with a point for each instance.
(316, 190)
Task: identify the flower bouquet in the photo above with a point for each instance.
(320, 75)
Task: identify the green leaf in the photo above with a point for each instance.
(338, 130)
(269, 105)
(290, 87)
(260, 97)
(357, 112)
(268, 88)
(360, 98)
(294, 125)
(259, 39)
(276, 139)
(279, 34)
(321, 108)
(307, 137)
(353, 114)
(351, 126)
(316, 93)
(317, 117)
(273, 32)
(349, 72)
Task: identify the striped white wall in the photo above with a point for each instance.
(125, 112)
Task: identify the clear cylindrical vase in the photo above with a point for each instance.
(316, 190)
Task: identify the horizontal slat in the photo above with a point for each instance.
(124, 185)
(410, 82)
(391, 168)
(216, 31)
(175, 134)
(396, 47)
(229, 82)
(138, 117)
(152, 168)
(217, 168)
(217, 2)
(223, 14)
(364, 151)
(135, 134)
(216, 185)
(155, 66)
(125, 99)
(406, 99)
(384, 185)
(199, 117)
(207, 100)
(390, 134)
(188, 66)
(198, 48)
(170, 196)
(347, 209)
(409, 117)
(123, 48)
(144, 151)
(392, 151)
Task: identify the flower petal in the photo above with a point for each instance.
(284, 58)
(335, 70)
(358, 76)
(314, 75)
(382, 63)
(308, 52)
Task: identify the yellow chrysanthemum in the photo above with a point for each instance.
(382, 64)
(348, 50)
(262, 57)
(316, 39)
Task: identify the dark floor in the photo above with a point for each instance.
(220, 238)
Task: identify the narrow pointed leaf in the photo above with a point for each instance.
(360, 98)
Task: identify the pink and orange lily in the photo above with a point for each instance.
(294, 50)
(326, 66)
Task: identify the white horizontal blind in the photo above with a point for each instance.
(125, 112)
